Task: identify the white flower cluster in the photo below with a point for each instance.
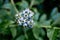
(24, 18)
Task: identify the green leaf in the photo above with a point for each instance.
(36, 15)
(43, 18)
(13, 32)
(52, 34)
(38, 32)
(40, 25)
(1, 3)
(56, 19)
(46, 23)
(22, 5)
(40, 38)
(7, 6)
(54, 11)
(55, 34)
(21, 37)
(37, 2)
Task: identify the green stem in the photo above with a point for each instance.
(54, 34)
(12, 2)
(25, 33)
(32, 2)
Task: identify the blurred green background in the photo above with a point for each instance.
(46, 18)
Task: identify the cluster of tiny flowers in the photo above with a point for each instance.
(24, 18)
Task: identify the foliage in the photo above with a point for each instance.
(42, 29)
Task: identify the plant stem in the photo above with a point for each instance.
(12, 2)
(25, 33)
(32, 2)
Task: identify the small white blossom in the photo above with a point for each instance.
(16, 15)
(26, 11)
(30, 15)
(21, 18)
(24, 24)
(25, 18)
(32, 21)
(28, 22)
(25, 15)
(31, 12)
(19, 22)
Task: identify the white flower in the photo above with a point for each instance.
(31, 14)
(16, 15)
(32, 21)
(24, 24)
(26, 11)
(25, 15)
(19, 22)
(20, 14)
(25, 18)
(28, 22)
(21, 18)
